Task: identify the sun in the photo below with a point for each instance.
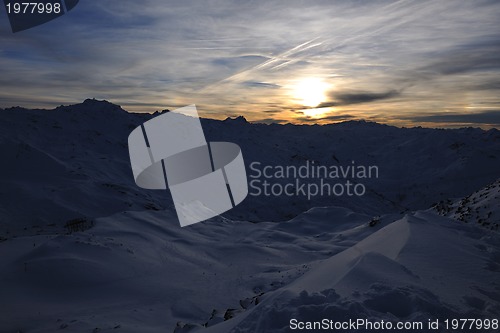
(310, 92)
(315, 113)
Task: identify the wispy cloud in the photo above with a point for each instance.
(490, 117)
(255, 84)
(330, 118)
(348, 98)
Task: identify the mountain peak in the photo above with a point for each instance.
(99, 103)
(92, 105)
(237, 120)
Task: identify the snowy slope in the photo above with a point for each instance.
(138, 271)
(418, 268)
(134, 263)
(481, 207)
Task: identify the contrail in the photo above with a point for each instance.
(284, 56)
(289, 56)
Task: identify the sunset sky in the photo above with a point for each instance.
(406, 63)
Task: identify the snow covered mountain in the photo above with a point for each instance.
(58, 159)
(481, 207)
(83, 249)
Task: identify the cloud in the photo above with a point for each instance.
(339, 117)
(256, 84)
(270, 121)
(476, 56)
(493, 84)
(326, 119)
(340, 99)
(271, 112)
(491, 117)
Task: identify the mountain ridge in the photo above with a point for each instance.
(417, 166)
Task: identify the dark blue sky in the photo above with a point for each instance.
(430, 63)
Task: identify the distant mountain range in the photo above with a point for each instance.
(72, 162)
